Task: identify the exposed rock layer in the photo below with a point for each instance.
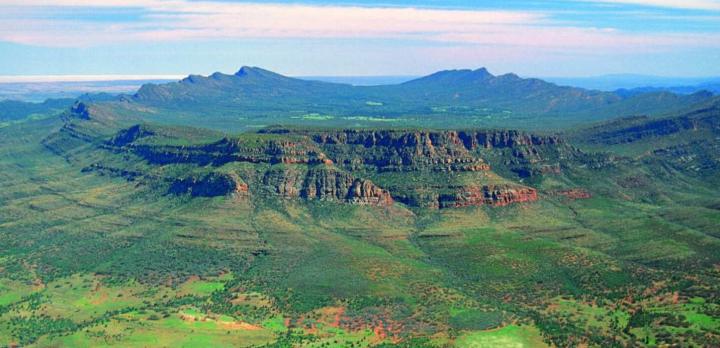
(325, 184)
(338, 165)
(488, 195)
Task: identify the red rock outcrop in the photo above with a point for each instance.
(496, 195)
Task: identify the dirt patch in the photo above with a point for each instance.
(100, 298)
(573, 194)
(239, 325)
(187, 317)
(228, 325)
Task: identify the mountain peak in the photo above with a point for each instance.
(252, 73)
(247, 70)
(452, 77)
(482, 72)
(255, 71)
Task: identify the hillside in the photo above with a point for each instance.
(137, 233)
(447, 99)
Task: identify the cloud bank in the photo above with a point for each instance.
(711, 5)
(181, 20)
(173, 36)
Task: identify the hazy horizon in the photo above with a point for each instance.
(40, 78)
(37, 88)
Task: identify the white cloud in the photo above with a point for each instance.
(713, 5)
(179, 20)
(86, 3)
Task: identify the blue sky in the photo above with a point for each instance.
(360, 37)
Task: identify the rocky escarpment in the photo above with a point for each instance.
(633, 129)
(381, 151)
(497, 195)
(325, 183)
(324, 165)
(434, 169)
(128, 136)
(80, 110)
(399, 151)
(209, 185)
(430, 142)
(271, 151)
(448, 151)
(444, 197)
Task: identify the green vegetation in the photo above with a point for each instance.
(123, 229)
(508, 337)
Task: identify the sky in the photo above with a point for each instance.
(360, 37)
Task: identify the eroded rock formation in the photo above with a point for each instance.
(497, 195)
(325, 184)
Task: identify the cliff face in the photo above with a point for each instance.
(128, 136)
(325, 184)
(633, 129)
(210, 185)
(383, 151)
(428, 142)
(443, 151)
(433, 169)
(226, 151)
(80, 110)
(470, 196)
(497, 195)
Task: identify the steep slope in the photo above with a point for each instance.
(324, 165)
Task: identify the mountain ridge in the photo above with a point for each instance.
(451, 97)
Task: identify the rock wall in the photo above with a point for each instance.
(496, 195)
(210, 185)
(337, 165)
(325, 184)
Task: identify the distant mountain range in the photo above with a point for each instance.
(469, 96)
(642, 83)
(450, 98)
(625, 84)
(711, 87)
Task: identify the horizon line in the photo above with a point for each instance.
(6, 79)
(84, 78)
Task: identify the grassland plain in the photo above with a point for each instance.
(102, 258)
